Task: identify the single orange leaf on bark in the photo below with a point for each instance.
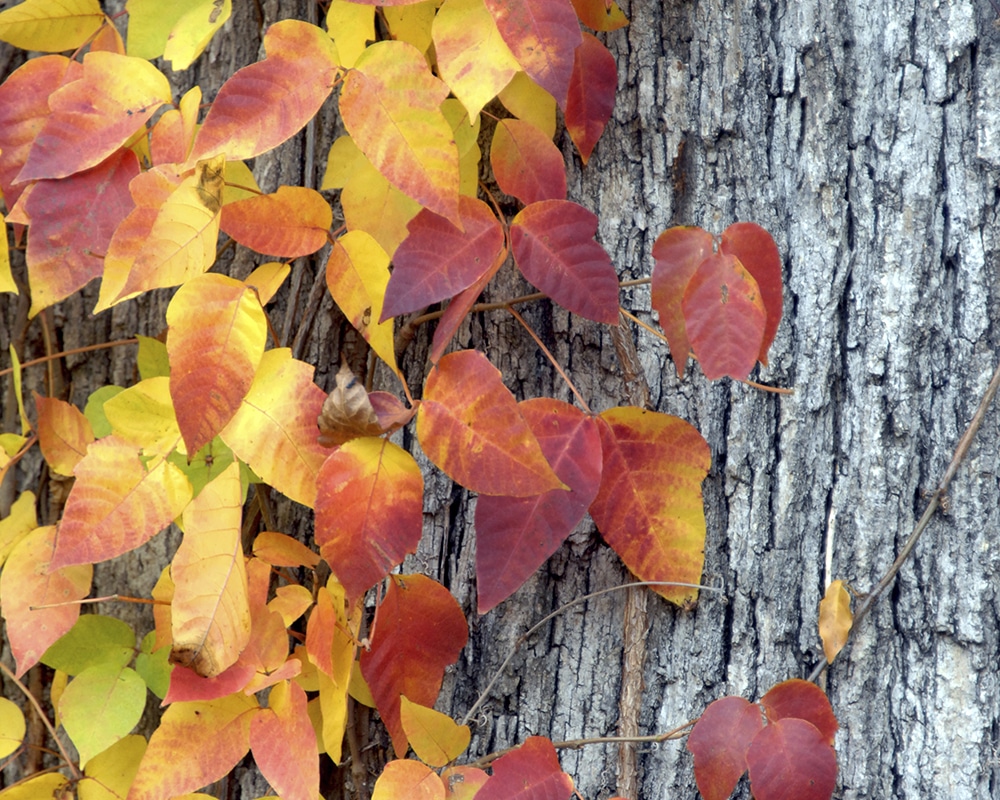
(63, 433)
(790, 758)
(421, 630)
(435, 737)
(479, 438)
(128, 501)
(284, 744)
(591, 97)
(215, 341)
(678, 252)
(600, 15)
(369, 511)
(649, 507)
(210, 610)
(195, 744)
(92, 117)
(835, 619)
(292, 222)
(390, 104)
(266, 103)
(526, 163)
(719, 742)
(27, 581)
(802, 700)
(530, 772)
(405, 779)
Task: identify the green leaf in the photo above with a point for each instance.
(93, 641)
(204, 465)
(94, 410)
(152, 358)
(154, 667)
(100, 706)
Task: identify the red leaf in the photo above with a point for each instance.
(420, 631)
(480, 439)
(758, 253)
(438, 260)
(458, 309)
(553, 243)
(802, 700)
(542, 35)
(515, 535)
(284, 744)
(678, 252)
(369, 511)
(186, 685)
(790, 760)
(725, 317)
(591, 94)
(531, 772)
(600, 15)
(719, 743)
(526, 163)
(292, 222)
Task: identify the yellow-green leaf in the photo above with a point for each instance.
(352, 27)
(50, 27)
(194, 30)
(435, 737)
(108, 775)
(12, 727)
(6, 276)
(100, 706)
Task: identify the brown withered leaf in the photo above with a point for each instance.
(347, 412)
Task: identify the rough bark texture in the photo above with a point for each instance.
(866, 138)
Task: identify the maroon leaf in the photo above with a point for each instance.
(457, 310)
(758, 253)
(531, 772)
(526, 163)
(802, 700)
(591, 94)
(790, 760)
(719, 743)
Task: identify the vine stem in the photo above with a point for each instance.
(961, 450)
(62, 353)
(111, 598)
(577, 601)
(551, 359)
(45, 720)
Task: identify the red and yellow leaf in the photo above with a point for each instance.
(600, 15)
(284, 743)
(802, 700)
(421, 630)
(554, 247)
(210, 610)
(196, 743)
(515, 535)
(678, 251)
(266, 103)
(472, 57)
(63, 433)
(435, 737)
(526, 163)
(408, 780)
(438, 260)
(171, 138)
(542, 35)
(591, 97)
(790, 758)
(719, 743)
(530, 772)
(724, 317)
(649, 507)
(290, 223)
(92, 117)
(835, 619)
(390, 104)
(274, 430)
(369, 511)
(480, 439)
(215, 340)
(118, 495)
(759, 255)
(27, 581)
(50, 27)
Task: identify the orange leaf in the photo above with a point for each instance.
(835, 618)
(195, 744)
(649, 507)
(526, 163)
(719, 742)
(724, 317)
(369, 511)
(126, 500)
(421, 630)
(435, 737)
(25, 582)
(480, 439)
(172, 136)
(438, 260)
(284, 744)
(408, 780)
(462, 783)
(678, 251)
(210, 610)
(591, 96)
(531, 772)
(280, 550)
(63, 433)
(542, 35)
(790, 758)
(390, 104)
(92, 117)
(215, 341)
(321, 630)
(802, 700)
(266, 103)
(290, 223)
(600, 15)
(274, 430)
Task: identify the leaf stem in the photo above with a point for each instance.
(111, 598)
(552, 359)
(75, 351)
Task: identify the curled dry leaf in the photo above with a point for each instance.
(347, 412)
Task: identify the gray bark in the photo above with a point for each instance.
(866, 138)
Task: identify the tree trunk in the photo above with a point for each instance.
(866, 138)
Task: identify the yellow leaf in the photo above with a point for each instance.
(50, 27)
(240, 183)
(333, 707)
(41, 787)
(835, 619)
(109, 774)
(526, 100)
(267, 279)
(18, 395)
(19, 523)
(291, 602)
(351, 26)
(12, 727)
(194, 30)
(6, 276)
(143, 415)
(343, 160)
(467, 140)
(412, 23)
(210, 612)
(373, 205)
(435, 737)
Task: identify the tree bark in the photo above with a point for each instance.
(866, 138)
